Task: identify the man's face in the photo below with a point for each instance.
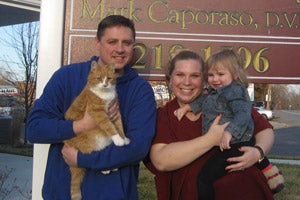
(116, 46)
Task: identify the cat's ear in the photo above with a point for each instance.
(112, 66)
(94, 65)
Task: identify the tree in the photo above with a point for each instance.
(21, 71)
(280, 96)
(285, 98)
(260, 91)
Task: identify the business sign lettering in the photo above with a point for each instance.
(265, 33)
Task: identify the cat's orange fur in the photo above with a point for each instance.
(95, 98)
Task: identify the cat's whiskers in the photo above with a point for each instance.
(106, 93)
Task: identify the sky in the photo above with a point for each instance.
(8, 55)
(5, 50)
(294, 88)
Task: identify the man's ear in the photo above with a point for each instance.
(97, 43)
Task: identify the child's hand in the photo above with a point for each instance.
(225, 141)
(180, 112)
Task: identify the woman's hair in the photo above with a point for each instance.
(184, 54)
(115, 20)
(229, 59)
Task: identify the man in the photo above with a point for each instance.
(46, 123)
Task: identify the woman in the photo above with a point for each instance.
(179, 150)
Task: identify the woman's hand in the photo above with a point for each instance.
(175, 155)
(70, 155)
(264, 139)
(216, 131)
(250, 156)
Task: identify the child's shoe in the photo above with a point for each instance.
(275, 178)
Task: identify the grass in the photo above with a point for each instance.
(290, 192)
(284, 157)
(18, 150)
(146, 183)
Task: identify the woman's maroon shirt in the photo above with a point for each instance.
(181, 184)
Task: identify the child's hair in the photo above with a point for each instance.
(232, 62)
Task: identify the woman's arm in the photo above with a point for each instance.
(264, 139)
(168, 157)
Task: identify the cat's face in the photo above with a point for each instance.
(102, 77)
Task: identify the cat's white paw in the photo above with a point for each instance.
(105, 171)
(119, 141)
(76, 196)
(109, 171)
(126, 140)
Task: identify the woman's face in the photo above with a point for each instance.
(186, 80)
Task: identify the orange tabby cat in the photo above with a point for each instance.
(95, 97)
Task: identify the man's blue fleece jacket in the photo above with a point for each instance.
(46, 124)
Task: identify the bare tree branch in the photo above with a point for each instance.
(23, 38)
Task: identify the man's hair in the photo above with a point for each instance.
(115, 20)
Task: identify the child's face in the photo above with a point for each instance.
(219, 76)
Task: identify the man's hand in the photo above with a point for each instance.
(113, 110)
(70, 155)
(84, 124)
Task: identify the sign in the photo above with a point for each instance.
(265, 33)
